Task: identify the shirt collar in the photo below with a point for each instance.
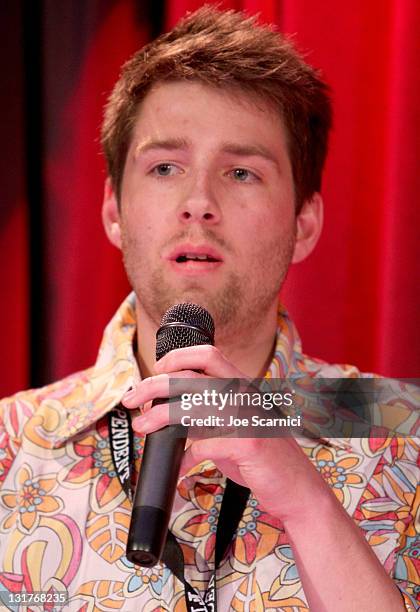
(96, 391)
(101, 388)
(288, 349)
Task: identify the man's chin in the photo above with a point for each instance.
(197, 295)
(157, 304)
(224, 303)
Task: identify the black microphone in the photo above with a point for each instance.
(181, 326)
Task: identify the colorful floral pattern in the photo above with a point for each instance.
(64, 516)
(144, 579)
(91, 463)
(339, 472)
(29, 501)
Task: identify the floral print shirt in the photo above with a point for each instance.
(64, 516)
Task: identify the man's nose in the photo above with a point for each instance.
(199, 203)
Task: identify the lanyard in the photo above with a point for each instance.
(233, 504)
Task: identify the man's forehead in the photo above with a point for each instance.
(234, 94)
(168, 103)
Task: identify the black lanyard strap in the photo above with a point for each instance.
(122, 447)
(234, 502)
(233, 505)
(173, 558)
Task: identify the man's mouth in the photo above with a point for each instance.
(193, 257)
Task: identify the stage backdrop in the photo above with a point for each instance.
(355, 299)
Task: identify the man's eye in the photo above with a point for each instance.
(243, 175)
(165, 170)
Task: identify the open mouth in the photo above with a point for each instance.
(192, 259)
(183, 258)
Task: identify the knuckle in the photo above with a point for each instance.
(206, 351)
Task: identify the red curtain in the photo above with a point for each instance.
(14, 319)
(354, 300)
(84, 273)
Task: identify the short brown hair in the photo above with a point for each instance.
(227, 49)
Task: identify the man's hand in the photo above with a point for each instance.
(252, 462)
(338, 569)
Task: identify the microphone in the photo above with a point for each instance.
(181, 326)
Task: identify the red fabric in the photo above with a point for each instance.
(14, 363)
(400, 274)
(14, 244)
(355, 299)
(86, 277)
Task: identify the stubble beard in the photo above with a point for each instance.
(237, 307)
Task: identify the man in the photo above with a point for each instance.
(215, 136)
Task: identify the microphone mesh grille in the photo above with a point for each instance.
(169, 338)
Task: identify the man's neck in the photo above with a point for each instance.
(250, 351)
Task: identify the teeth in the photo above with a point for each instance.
(193, 257)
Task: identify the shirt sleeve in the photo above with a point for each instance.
(9, 437)
(407, 560)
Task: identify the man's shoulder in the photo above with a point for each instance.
(33, 414)
(115, 361)
(320, 368)
(25, 403)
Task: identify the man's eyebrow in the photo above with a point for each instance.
(249, 151)
(170, 144)
(176, 144)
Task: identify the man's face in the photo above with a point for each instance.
(207, 204)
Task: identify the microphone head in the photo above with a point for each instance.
(184, 325)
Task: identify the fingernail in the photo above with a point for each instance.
(129, 394)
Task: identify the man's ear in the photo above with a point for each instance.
(308, 227)
(111, 215)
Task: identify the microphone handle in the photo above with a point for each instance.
(149, 523)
